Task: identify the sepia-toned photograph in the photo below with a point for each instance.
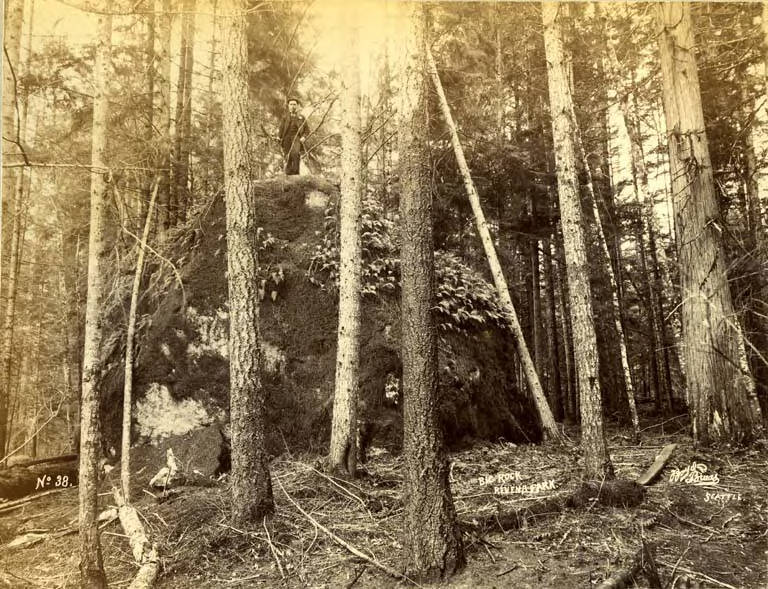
(384, 294)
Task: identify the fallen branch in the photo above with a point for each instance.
(390, 571)
(658, 465)
(144, 553)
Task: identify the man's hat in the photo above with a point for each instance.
(294, 98)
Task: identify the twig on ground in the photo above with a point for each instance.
(390, 571)
(697, 574)
(273, 549)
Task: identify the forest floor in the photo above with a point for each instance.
(704, 536)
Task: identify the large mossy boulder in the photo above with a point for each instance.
(182, 355)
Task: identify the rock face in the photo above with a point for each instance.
(182, 372)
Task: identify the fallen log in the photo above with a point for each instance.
(18, 481)
(48, 460)
(643, 564)
(614, 493)
(144, 553)
(658, 465)
(11, 505)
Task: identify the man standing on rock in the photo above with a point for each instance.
(293, 132)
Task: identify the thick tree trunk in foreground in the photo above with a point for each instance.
(432, 544)
(91, 568)
(251, 484)
(723, 403)
(548, 425)
(597, 462)
(343, 450)
(11, 197)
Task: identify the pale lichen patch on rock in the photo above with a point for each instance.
(213, 333)
(159, 416)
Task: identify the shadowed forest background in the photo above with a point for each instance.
(525, 258)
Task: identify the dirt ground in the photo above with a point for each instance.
(704, 536)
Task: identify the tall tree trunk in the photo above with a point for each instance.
(645, 198)
(12, 27)
(723, 408)
(163, 19)
(654, 341)
(432, 544)
(548, 425)
(91, 568)
(71, 331)
(12, 197)
(343, 449)
(572, 392)
(597, 462)
(536, 337)
(211, 100)
(149, 129)
(556, 385)
(251, 483)
(756, 316)
(629, 388)
(180, 191)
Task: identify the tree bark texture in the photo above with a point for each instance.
(432, 545)
(596, 459)
(91, 568)
(12, 197)
(723, 408)
(548, 425)
(343, 448)
(251, 484)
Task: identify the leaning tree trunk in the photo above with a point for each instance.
(91, 568)
(549, 427)
(125, 447)
(251, 483)
(597, 462)
(432, 544)
(343, 449)
(723, 403)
